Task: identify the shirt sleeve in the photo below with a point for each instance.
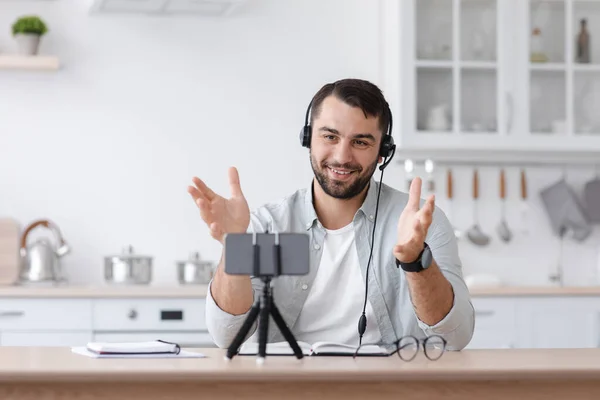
(458, 325)
(222, 326)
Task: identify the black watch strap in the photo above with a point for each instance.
(415, 266)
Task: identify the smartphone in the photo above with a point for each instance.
(294, 254)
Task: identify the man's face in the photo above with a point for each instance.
(344, 150)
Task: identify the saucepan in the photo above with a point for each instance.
(194, 270)
(128, 268)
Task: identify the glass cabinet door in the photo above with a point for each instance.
(564, 68)
(455, 70)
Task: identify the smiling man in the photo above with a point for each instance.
(414, 274)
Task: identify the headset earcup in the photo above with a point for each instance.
(305, 133)
(386, 146)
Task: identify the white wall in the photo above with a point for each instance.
(106, 146)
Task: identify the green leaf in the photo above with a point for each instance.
(29, 24)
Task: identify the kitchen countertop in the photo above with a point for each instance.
(199, 291)
(535, 291)
(469, 374)
(105, 291)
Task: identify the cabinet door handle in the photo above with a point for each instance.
(12, 313)
(486, 313)
(509, 112)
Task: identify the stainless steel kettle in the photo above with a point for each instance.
(40, 261)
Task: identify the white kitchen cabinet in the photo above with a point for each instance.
(49, 338)
(45, 314)
(559, 322)
(149, 315)
(76, 321)
(473, 59)
(536, 322)
(495, 324)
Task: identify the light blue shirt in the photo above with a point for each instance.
(388, 287)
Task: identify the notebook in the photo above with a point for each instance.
(147, 349)
(315, 349)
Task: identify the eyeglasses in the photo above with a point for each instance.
(407, 347)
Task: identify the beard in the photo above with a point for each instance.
(341, 189)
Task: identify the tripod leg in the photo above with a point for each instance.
(283, 328)
(263, 328)
(239, 339)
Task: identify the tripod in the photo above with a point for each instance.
(262, 309)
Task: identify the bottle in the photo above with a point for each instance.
(583, 43)
(537, 47)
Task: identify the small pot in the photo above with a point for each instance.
(194, 271)
(128, 268)
(28, 43)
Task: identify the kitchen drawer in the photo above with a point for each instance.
(494, 311)
(184, 339)
(45, 314)
(60, 339)
(149, 315)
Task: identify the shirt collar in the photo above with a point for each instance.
(367, 208)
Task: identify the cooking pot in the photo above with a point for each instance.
(128, 268)
(194, 270)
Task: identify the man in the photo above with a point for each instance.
(415, 284)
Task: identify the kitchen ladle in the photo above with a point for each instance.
(502, 228)
(524, 205)
(450, 188)
(475, 234)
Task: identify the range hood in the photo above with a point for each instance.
(167, 7)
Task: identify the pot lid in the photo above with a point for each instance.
(127, 252)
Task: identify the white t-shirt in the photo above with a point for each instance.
(335, 301)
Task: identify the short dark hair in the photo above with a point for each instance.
(356, 93)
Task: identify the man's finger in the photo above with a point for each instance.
(234, 182)
(205, 210)
(205, 190)
(414, 195)
(196, 194)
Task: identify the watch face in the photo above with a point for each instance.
(426, 258)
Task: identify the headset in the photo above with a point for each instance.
(386, 150)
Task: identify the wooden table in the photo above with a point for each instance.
(56, 373)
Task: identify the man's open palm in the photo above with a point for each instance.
(413, 224)
(220, 214)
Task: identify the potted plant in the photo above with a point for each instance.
(27, 31)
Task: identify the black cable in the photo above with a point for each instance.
(362, 322)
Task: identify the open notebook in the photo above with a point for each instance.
(315, 349)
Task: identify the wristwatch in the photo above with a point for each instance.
(422, 262)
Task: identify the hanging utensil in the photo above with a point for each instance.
(524, 205)
(502, 229)
(430, 179)
(592, 198)
(408, 168)
(475, 234)
(450, 189)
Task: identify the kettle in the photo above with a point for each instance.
(40, 261)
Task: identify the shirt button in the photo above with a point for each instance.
(317, 247)
(304, 287)
(371, 217)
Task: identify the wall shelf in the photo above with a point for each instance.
(500, 157)
(19, 62)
